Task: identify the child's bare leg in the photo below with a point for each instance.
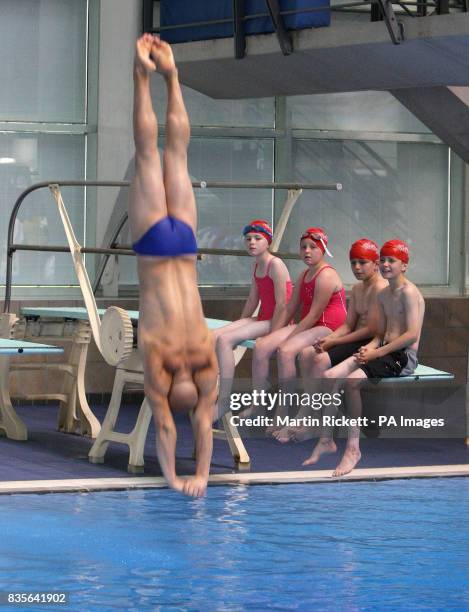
(147, 201)
(287, 369)
(263, 351)
(226, 343)
(229, 327)
(179, 194)
(312, 367)
(333, 376)
(352, 453)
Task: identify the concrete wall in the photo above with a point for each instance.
(120, 24)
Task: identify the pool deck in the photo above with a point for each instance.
(54, 461)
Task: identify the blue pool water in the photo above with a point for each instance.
(395, 545)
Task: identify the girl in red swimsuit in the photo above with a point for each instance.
(320, 294)
(271, 289)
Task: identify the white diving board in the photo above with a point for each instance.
(10, 423)
(422, 373)
(81, 314)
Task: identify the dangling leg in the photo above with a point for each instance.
(312, 367)
(286, 359)
(226, 343)
(352, 453)
(333, 378)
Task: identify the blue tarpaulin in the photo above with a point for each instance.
(179, 12)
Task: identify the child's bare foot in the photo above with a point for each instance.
(195, 486)
(272, 431)
(143, 59)
(323, 447)
(300, 434)
(162, 55)
(350, 459)
(282, 435)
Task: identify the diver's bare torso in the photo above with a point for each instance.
(172, 326)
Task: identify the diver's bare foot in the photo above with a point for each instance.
(195, 486)
(143, 59)
(323, 447)
(162, 55)
(348, 462)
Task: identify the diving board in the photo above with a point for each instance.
(75, 414)
(19, 347)
(77, 313)
(10, 423)
(422, 373)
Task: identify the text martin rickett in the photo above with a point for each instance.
(307, 421)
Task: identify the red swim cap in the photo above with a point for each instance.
(259, 226)
(317, 235)
(364, 249)
(395, 248)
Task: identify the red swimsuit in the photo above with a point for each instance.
(266, 290)
(335, 312)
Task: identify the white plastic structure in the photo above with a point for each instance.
(11, 425)
(117, 335)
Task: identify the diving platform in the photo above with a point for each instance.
(352, 54)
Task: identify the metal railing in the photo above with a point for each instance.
(111, 250)
(380, 10)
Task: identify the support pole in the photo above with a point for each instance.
(238, 28)
(147, 14)
(283, 36)
(395, 29)
(80, 269)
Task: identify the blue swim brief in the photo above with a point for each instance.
(168, 237)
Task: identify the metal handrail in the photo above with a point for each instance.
(12, 247)
(379, 10)
(342, 7)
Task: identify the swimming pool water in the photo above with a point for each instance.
(395, 545)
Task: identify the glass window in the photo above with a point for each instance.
(369, 111)
(222, 213)
(28, 159)
(391, 190)
(205, 111)
(43, 60)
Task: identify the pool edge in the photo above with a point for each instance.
(261, 478)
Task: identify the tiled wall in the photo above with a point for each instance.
(445, 335)
(444, 344)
